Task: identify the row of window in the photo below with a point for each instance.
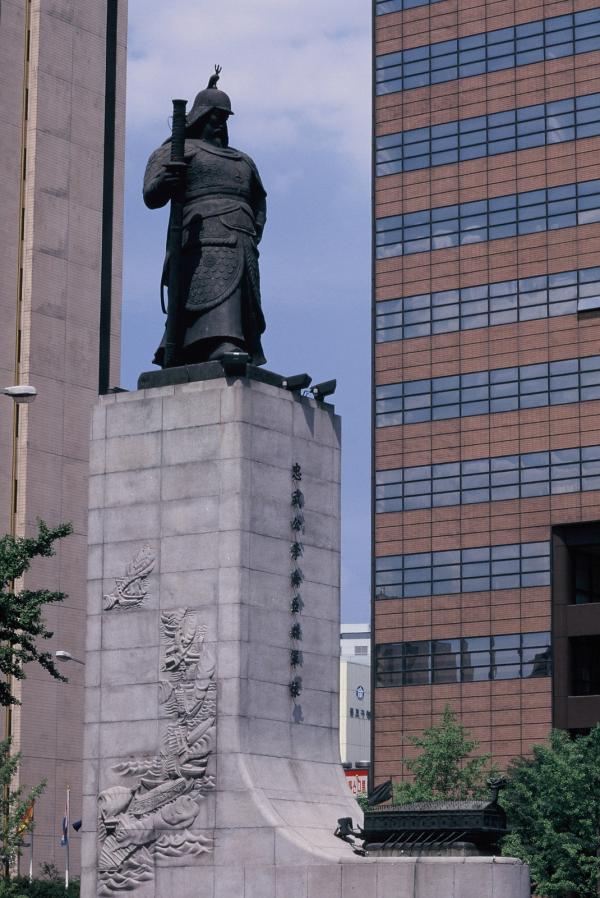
(512, 215)
(489, 479)
(488, 135)
(514, 566)
(506, 302)
(486, 392)
(384, 6)
(467, 660)
(489, 51)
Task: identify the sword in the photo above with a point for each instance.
(177, 164)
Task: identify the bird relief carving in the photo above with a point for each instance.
(131, 590)
(155, 819)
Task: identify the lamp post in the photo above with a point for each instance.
(21, 394)
(63, 655)
(67, 656)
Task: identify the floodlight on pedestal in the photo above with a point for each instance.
(296, 382)
(326, 388)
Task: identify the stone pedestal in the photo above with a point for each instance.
(212, 763)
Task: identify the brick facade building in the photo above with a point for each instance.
(487, 371)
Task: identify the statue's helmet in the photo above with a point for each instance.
(209, 98)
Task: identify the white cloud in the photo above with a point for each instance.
(297, 71)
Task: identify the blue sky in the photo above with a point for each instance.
(298, 74)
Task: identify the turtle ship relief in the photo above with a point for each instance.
(155, 819)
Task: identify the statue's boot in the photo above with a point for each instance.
(220, 350)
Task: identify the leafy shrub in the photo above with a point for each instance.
(38, 888)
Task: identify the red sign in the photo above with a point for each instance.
(357, 780)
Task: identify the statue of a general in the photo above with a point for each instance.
(223, 209)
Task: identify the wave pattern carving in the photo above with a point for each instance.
(155, 820)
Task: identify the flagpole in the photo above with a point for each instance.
(31, 832)
(67, 838)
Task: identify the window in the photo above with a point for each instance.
(516, 565)
(490, 51)
(490, 479)
(498, 390)
(467, 660)
(385, 6)
(505, 216)
(488, 135)
(584, 652)
(585, 567)
(361, 649)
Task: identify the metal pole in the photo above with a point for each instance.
(177, 164)
(67, 837)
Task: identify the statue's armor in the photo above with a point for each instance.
(223, 218)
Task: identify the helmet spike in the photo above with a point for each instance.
(214, 79)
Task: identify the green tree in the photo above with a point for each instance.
(21, 625)
(21, 620)
(15, 804)
(445, 769)
(553, 805)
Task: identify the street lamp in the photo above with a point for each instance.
(67, 656)
(21, 393)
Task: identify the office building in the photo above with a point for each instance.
(355, 696)
(62, 96)
(487, 371)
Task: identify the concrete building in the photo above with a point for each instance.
(487, 372)
(62, 96)
(355, 643)
(355, 695)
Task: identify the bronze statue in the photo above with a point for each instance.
(222, 203)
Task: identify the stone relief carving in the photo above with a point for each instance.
(131, 590)
(155, 819)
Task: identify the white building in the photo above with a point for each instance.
(355, 694)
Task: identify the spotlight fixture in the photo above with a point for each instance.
(296, 382)
(21, 393)
(235, 363)
(320, 391)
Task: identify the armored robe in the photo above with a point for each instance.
(223, 219)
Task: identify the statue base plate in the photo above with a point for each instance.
(185, 374)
